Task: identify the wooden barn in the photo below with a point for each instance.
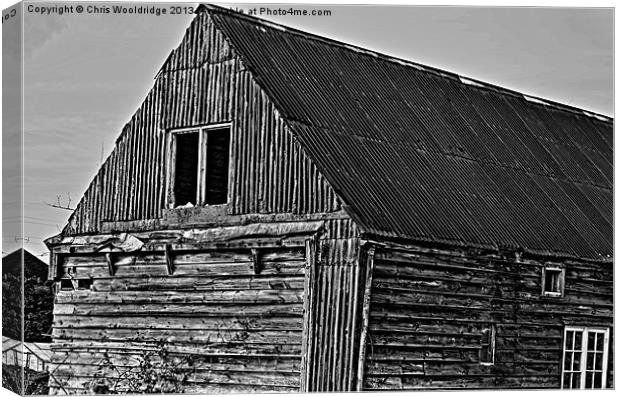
(299, 214)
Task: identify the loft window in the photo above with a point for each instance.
(552, 280)
(487, 345)
(199, 166)
(585, 355)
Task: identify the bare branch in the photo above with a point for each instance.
(59, 203)
(62, 207)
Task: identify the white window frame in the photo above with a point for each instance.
(584, 354)
(201, 188)
(556, 268)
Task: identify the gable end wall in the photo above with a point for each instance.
(204, 82)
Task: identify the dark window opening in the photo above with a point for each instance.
(66, 284)
(85, 283)
(487, 345)
(186, 169)
(553, 281)
(200, 167)
(69, 284)
(218, 142)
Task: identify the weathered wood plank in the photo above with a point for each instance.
(214, 337)
(264, 297)
(180, 309)
(198, 283)
(223, 350)
(267, 364)
(206, 269)
(179, 322)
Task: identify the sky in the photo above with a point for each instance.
(86, 74)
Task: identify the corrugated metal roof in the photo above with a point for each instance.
(427, 155)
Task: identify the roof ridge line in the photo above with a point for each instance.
(538, 101)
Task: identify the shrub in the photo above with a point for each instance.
(157, 372)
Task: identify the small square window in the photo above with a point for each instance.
(552, 281)
(66, 284)
(70, 284)
(85, 283)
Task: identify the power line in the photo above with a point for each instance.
(36, 218)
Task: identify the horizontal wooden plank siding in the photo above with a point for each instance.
(429, 306)
(242, 328)
(204, 82)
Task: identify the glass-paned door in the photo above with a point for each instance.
(585, 358)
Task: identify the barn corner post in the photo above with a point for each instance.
(366, 260)
(334, 289)
(308, 327)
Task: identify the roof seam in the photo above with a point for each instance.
(533, 251)
(478, 161)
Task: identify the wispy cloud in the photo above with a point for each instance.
(40, 29)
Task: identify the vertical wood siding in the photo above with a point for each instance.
(333, 348)
(428, 308)
(243, 329)
(204, 82)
